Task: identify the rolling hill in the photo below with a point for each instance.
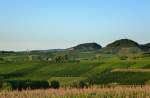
(123, 47)
(145, 47)
(86, 47)
(123, 43)
(87, 62)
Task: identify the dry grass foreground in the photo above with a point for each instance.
(94, 92)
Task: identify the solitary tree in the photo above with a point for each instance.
(61, 58)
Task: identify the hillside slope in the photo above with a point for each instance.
(145, 47)
(86, 47)
(123, 43)
(123, 47)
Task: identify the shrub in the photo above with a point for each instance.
(28, 84)
(80, 84)
(1, 84)
(55, 84)
(40, 84)
(1, 59)
(123, 57)
(6, 86)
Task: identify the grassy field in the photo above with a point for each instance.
(94, 67)
(89, 74)
(94, 92)
(23, 70)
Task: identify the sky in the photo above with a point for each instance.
(49, 24)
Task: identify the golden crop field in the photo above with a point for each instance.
(94, 92)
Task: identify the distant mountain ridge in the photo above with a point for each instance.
(145, 47)
(125, 46)
(123, 43)
(114, 46)
(86, 47)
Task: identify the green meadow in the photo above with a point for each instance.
(92, 67)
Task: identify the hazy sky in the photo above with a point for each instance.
(46, 24)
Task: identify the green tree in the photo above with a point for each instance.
(6, 86)
(55, 84)
(61, 58)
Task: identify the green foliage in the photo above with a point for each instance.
(6, 86)
(87, 47)
(1, 59)
(61, 58)
(83, 84)
(80, 84)
(123, 78)
(124, 43)
(123, 57)
(55, 84)
(28, 84)
(83, 67)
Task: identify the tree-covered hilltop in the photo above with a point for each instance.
(123, 43)
(145, 47)
(86, 47)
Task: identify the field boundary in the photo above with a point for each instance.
(130, 70)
